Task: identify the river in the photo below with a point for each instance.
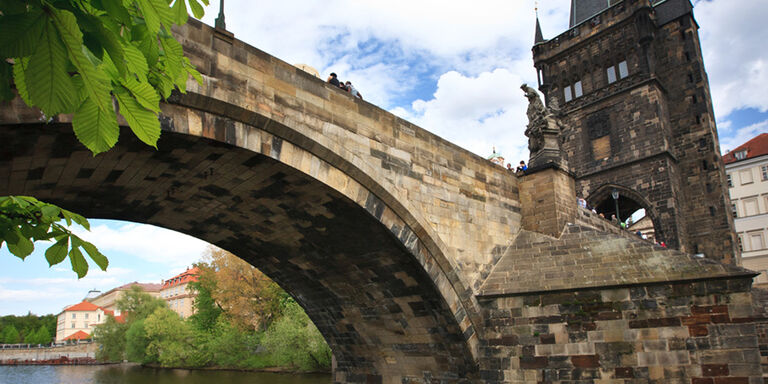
(134, 374)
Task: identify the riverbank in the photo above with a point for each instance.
(77, 354)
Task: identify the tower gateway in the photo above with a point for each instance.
(630, 82)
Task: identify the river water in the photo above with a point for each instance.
(133, 374)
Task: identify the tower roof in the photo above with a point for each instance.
(538, 37)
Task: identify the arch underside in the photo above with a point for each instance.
(368, 295)
(629, 202)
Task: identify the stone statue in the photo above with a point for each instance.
(544, 130)
(536, 108)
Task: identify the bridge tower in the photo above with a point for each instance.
(630, 81)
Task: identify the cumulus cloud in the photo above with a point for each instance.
(742, 135)
(733, 36)
(153, 244)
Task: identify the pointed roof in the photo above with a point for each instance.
(538, 37)
(83, 306)
(755, 147)
(79, 335)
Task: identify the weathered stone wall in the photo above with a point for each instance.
(52, 353)
(471, 204)
(651, 132)
(549, 201)
(694, 332)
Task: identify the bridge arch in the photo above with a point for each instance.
(366, 274)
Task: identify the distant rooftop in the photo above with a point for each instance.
(185, 277)
(758, 146)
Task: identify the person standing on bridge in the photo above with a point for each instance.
(333, 80)
(353, 91)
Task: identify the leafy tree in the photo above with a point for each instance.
(137, 304)
(249, 298)
(136, 342)
(43, 336)
(206, 310)
(24, 220)
(83, 57)
(294, 341)
(11, 335)
(111, 338)
(171, 338)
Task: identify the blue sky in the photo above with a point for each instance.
(453, 68)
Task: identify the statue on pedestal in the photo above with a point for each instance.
(543, 130)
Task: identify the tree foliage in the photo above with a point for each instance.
(249, 298)
(10, 335)
(136, 304)
(25, 220)
(111, 338)
(77, 56)
(294, 341)
(85, 58)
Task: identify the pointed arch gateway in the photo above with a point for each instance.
(368, 273)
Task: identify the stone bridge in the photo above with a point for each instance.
(418, 261)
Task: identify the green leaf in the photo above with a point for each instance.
(144, 93)
(79, 264)
(50, 210)
(95, 81)
(57, 252)
(143, 122)
(19, 33)
(156, 12)
(82, 221)
(180, 12)
(49, 85)
(197, 9)
(114, 47)
(19, 68)
(95, 128)
(95, 255)
(136, 61)
(22, 247)
(116, 10)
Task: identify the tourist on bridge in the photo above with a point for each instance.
(333, 80)
(522, 167)
(353, 91)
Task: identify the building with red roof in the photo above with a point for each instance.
(177, 292)
(78, 320)
(746, 169)
(108, 300)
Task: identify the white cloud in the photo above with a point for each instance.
(733, 37)
(742, 135)
(157, 245)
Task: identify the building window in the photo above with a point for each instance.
(85, 325)
(734, 210)
(756, 241)
(577, 89)
(611, 72)
(98, 317)
(740, 155)
(623, 69)
(746, 176)
(764, 172)
(728, 180)
(74, 315)
(741, 244)
(750, 207)
(568, 94)
(72, 325)
(86, 315)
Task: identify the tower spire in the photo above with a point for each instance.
(538, 37)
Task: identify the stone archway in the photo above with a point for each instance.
(629, 202)
(373, 289)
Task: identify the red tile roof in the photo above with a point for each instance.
(187, 276)
(79, 335)
(83, 306)
(758, 146)
(148, 287)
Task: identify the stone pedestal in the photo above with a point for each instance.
(548, 200)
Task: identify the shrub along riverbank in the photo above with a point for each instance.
(242, 320)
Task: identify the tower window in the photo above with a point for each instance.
(611, 72)
(694, 99)
(568, 94)
(687, 56)
(709, 188)
(711, 211)
(623, 69)
(577, 89)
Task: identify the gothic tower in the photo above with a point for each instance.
(629, 77)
